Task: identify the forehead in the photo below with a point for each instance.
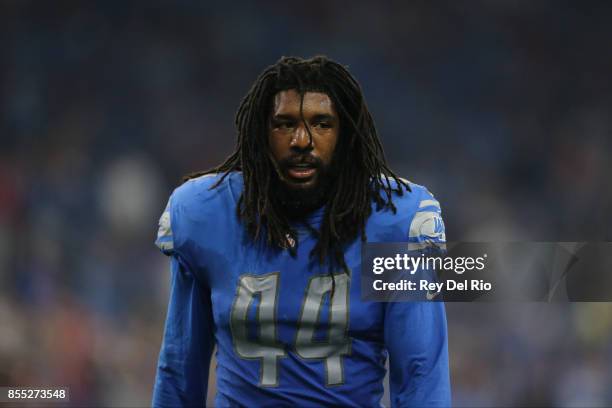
(288, 102)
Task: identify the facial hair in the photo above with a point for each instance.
(298, 202)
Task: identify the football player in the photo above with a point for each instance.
(265, 259)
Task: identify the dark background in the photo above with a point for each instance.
(501, 108)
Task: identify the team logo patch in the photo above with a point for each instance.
(433, 229)
(165, 229)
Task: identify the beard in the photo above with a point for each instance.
(298, 200)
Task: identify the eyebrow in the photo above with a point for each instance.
(323, 117)
(282, 116)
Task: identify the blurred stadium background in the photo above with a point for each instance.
(502, 108)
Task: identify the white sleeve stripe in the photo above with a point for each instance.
(429, 203)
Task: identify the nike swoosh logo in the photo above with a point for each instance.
(430, 295)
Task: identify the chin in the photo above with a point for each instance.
(307, 186)
(307, 194)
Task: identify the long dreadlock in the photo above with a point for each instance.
(363, 175)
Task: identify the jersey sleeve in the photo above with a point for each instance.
(415, 332)
(417, 342)
(184, 359)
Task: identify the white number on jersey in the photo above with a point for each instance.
(267, 349)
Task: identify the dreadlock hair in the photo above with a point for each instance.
(362, 177)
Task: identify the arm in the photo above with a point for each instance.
(416, 339)
(415, 332)
(184, 359)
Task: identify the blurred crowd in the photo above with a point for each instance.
(502, 108)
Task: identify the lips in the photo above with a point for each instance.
(301, 171)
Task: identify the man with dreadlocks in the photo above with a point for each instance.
(265, 249)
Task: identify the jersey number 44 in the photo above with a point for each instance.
(266, 347)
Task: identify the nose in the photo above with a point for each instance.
(301, 139)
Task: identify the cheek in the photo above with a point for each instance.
(330, 144)
(275, 146)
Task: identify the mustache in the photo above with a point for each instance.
(300, 159)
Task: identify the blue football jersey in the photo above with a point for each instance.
(281, 340)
